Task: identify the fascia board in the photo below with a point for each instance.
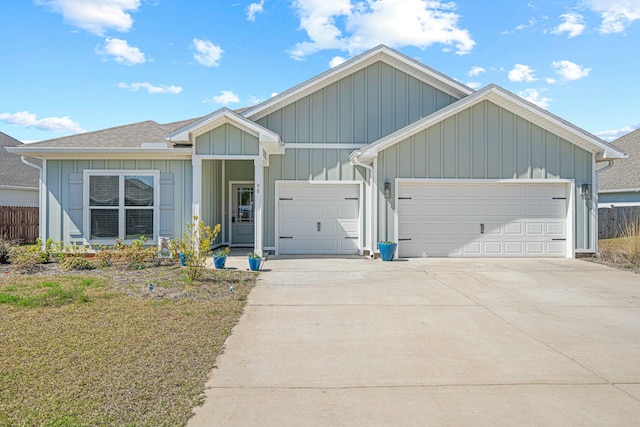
(380, 53)
(620, 190)
(218, 118)
(512, 103)
(102, 153)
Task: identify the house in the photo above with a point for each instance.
(19, 183)
(378, 148)
(620, 186)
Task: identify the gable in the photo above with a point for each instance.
(358, 109)
(227, 140)
(486, 141)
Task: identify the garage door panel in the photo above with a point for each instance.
(519, 219)
(319, 218)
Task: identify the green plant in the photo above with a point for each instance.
(221, 252)
(253, 255)
(25, 259)
(134, 256)
(197, 242)
(5, 245)
(76, 262)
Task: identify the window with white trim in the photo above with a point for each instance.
(121, 204)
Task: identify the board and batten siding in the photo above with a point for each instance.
(65, 194)
(357, 109)
(227, 140)
(487, 142)
(303, 164)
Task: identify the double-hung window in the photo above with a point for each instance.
(121, 204)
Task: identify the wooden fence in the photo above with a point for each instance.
(612, 222)
(19, 223)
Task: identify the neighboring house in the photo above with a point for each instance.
(381, 147)
(19, 183)
(620, 185)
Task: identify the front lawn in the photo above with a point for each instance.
(98, 348)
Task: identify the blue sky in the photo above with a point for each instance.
(70, 66)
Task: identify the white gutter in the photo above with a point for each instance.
(41, 201)
(609, 166)
(370, 171)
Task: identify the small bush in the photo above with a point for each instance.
(77, 262)
(196, 245)
(5, 245)
(134, 256)
(25, 259)
(630, 244)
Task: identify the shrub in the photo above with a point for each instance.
(196, 245)
(5, 245)
(133, 256)
(76, 262)
(25, 259)
(630, 244)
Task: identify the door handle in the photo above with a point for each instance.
(481, 228)
(319, 226)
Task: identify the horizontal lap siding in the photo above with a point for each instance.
(63, 199)
(487, 142)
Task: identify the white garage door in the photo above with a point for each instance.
(482, 219)
(318, 218)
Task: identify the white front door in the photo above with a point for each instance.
(242, 214)
(318, 218)
(483, 219)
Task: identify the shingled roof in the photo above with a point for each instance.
(12, 171)
(625, 173)
(126, 136)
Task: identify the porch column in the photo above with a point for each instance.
(258, 203)
(196, 186)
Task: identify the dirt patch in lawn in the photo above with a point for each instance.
(101, 348)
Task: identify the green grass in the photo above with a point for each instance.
(99, 349)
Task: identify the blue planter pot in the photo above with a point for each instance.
(218, 261)
(387, 250)
(254, 263)
(183, 259)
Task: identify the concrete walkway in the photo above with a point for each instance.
(358, 342)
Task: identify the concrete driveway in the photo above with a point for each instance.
(359, 342)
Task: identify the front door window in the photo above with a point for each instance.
(245, 204)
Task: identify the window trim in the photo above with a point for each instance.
(120, 173)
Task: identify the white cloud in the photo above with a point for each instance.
(95, 16)
(357, 26)
(476, 71)
(207, 53)
(335, 61)
(26, 119)
(520, 27)
(474, 85)
(569, 70)
(616, 15)
(533, 96)
(254, 100)
(274, 94)
(225, 97)
(573, 25)
(150, 88)
(610, 135)
(551, 80)
(121, 52)
(521, 73)
(254, 9)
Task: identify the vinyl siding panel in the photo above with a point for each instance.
(488, 142)
(227, 140)
(65, 194)
(357, 109)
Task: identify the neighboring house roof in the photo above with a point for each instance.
(625, 173)
(378, 53)
(511, 102)
(14, 173)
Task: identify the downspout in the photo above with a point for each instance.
(610, 165)
(41, 204)
(369, 177)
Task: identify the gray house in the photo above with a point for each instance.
(19, 183)
(620, 186)
(379, 148)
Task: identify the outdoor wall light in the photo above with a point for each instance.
(585, 191)
(387, 189)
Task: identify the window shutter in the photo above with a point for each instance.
(166, 205)
(75, 221)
